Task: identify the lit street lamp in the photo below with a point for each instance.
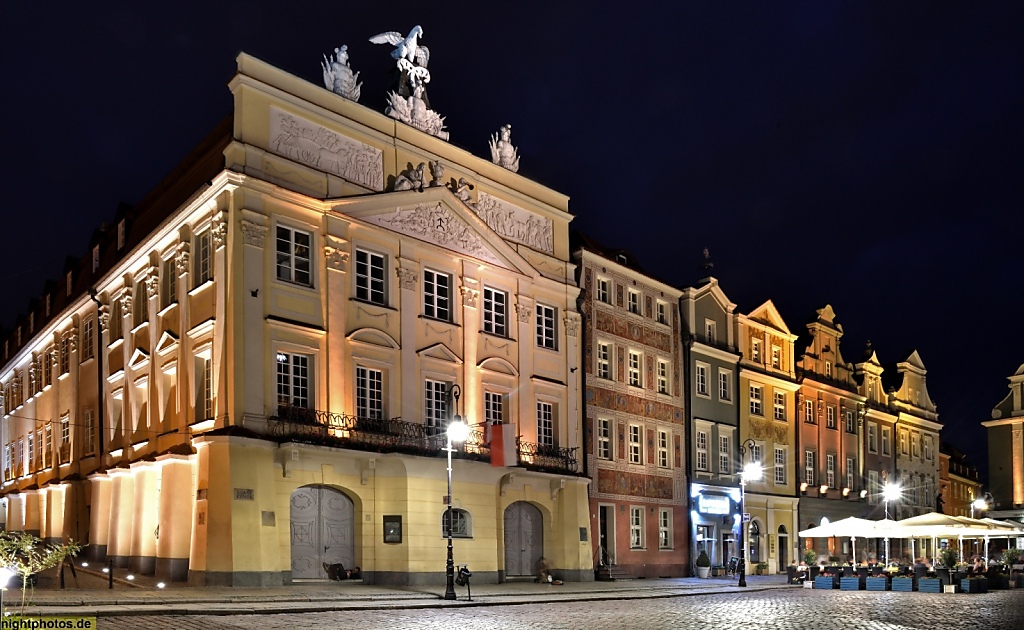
(978, 504)
(751, 472)
(5, 577)
(457, 432)
(891, 492)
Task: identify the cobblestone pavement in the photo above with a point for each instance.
(777, 609)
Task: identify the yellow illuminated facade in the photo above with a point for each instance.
(277, 337)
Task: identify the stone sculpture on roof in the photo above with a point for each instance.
(502, 152)
(408, 99)
(338, 76)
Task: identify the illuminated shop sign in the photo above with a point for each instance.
(713, 504)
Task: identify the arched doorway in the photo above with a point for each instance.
(783, 547)
(524, 539)
(321, 531)
(754, 542)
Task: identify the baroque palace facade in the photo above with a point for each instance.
(252, 377)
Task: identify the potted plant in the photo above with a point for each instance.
(703, 564)
(810, 556)
(761, 568)
(718, 570)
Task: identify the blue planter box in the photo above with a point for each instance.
(929, 585)
(904, 585)
(879, 583)
(850, 584)
(824, 581)
(975, 585)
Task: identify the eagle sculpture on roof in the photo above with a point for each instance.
(405, 47)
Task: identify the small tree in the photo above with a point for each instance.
(1011, 556)
(948, 556)
(703, 560)
(26, 555)
(810, 556)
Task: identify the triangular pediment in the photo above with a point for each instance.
(715, 292)
(138, 359)
(768, 314)
(440, 352)
(439, 217)
(167, 343)
(915, 360)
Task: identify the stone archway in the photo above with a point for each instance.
(524, 539)
(321, 525)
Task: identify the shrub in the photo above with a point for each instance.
(1011, 556)
(948, 557)
(26, 555)
(703, 560)
(810, 556)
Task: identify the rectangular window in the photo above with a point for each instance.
(903, 442)
(828, 369)
(604, 438)
(830, 470)
(369, 393)
(634, 302)
(913, 445)
(141, 304)
(779, 404)
(928, 448)
(702, 450)
(662, 377)
(494, 412)
(116, 320)
(46, 367)
(851, 466)
(369, 277)
(663, 460)
(756, 454)
(65, 353)
(168, 283)
(65, 429)
(545, 326)
(702, 380)
(724, 385)
(435, 406)
(545, 424)
(203, 262)
(809, 411)
(851, 425)
(809, 467)
(86, 349)
(873, 486)
(830, 417)
(636, 527)
(293, 380)
(872, 438)
(31, 451)
(88, 431)
(634, 444)
(47, 445)
(664, 528)
(120, 234)
(46, 305)
(68, 282)
(293, 254)
(780, 466)
(95, 258)
(710, 332)
(437, 295)
(634, 369)
(886, 433)
(604, 293)
(755, 351)
(206, 388)
(662, 309)
(604, 361)
(776, 357)
(495, 311)
(755, 401)
(724, 456)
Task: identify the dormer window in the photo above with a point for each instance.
(95, 258)
(755, 351)
(828, 369)
(69, 283)
(46, 305)
(120, 234)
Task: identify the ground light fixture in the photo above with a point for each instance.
(5, 577)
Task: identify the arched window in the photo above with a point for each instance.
(463, 524)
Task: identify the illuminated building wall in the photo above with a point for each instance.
(1006, 451)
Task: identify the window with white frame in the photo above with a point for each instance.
(634, 444)
(202, 265)
(755, 350)
(724, 456)
(913, 445)
(435, 406)
(604, 438)
(662, 377)
(494, 408)
(141, 304)
(830, 470)
(724, 385)
(701, 447)
(293, 379)
(46, 368)
(809, 411)
(604, 290)
(664, 528)
(809, 467)
(780, 465)
(65, 353)
(31, 451)
(545, 424)
(701, 375)
(662, 312)
(710, 332)
(776, 357)
(65, 429)
(545, 326)
(370, 277)
(903, 442)
(437, 295)
(47, 445)
(168, 282)
(851, 467)
(635, 361)
(460, 521)
(205, 385)
(872, 437)
(828, 369)
(779, 405)
(87, 350)
(851, 425)
(757, 454)
(633, 301)
(886, 439)
(369, 393)
(636, 527)
(293, 256)
(830, 416)
(755, 401)
(604, 360)
(88, 431)
(495, 311)
(116, 330)
(663, 440)
(928, 447)
(873, 486)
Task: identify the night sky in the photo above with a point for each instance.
(862, 154)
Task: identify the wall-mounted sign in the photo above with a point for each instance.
(711, 504)
(393, 528)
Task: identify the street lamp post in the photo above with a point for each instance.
(751, 472)
(890, 492)
(978, 504)
(457, 432)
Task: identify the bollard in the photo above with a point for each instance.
(462, 579)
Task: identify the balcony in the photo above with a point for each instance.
(394, 435)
